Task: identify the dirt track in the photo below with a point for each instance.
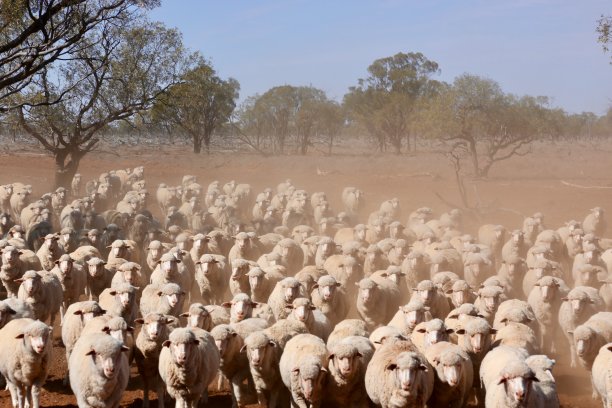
(520, 186)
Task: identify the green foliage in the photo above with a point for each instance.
(198, 105)
(386, 101)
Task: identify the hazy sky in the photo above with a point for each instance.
(536, 47)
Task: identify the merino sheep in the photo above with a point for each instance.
(545, 389)
(211, 275)
(317, 323)
(43, 294)
(11, 270)
(399, 376)
(428, 333)
(348, 360)
(514, 386)
(595, 222)
(149, 342)
(262, 282)
(517, 335)
(330, 299)
(284, 293)
(409, 315)
(120, 301)
(167, 299)
(475, 339)
(347, 328)
(99, 371)
(590, 336)
(377, 301)
(188, 363)
(98, 278)
(601, 374)
(73, 279)
(25, 357)
(303, 367)
(206, 317)
(432, 298)
(580, 303)
(454, 375)
(545, 300)
(13, 308)
(488, 300)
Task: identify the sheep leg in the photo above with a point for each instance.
(572, 355)
(33, 394)
(66, 380)
(594, 394)
(263, 401)
(161, 394)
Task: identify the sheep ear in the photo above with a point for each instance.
(422, 330)
(449, 331)
(91, 352)
(565, 299)
(130, 329)
(11, 311)
(78, 312)
(226, 304)
(166, 343)
(184, 315)
(501, 380)
(460, 331)
(272, 343)
(331, 356)
(288, 306)
(338, 284)
(234, 334)
(493, 331)
(296, 370)
(312, 307)
(243, 348)
(170, 319)
(609, 348)
(315, 286)
(125, 348)
(534, 379)
(570, 332)
(449, 292)
(139, 321)
(20, 336)
(106, 329)
(159, 293)
(112, 292)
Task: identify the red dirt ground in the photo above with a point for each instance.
(522, 185)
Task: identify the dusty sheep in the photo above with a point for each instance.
(377, 301)
(601, 374)
(590, 336)
(188, 363)
(409, 315)
(545, 389)
(488, 300)
(99, 371)
(513, 386)
(167, 299)
(432, 298)
(428, 333)
(303, 367)
(580, 303)
(13, 308)
(399, 376)
(454, 374)
(317, 323)
(348, 360)
(263, 281)
(149, 342)
(25, 357)
(284, 293)
(73, 280)
(98, 278)
(517, 335)
(211, 275)
(120, 301)
(545, 299)
(461, 293)
(330, 299)
(43, 294)
(206, 317)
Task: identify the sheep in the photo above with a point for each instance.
(431, 298)
(326, 247)
(239, 280)
(590, 336)
(49, 252)
(488, 300)
(244, 248)
(409, 315)
(347, 328)
(99, 371)
(601, 374)
(234, 364)
(284, 330)
(545, 389)
(516, 245)
(514, 310)
(262, 282)
(317, 323)
(211, 275)
(284, 293)
(242, 307)
(517, 335)
(477, 268)
(25, 357)
(346, 270)
(513, 387)
(13, 308)
(73, 279)
(495, 360)
(399, 376)
(303, 367)
(77, 316)
(149, 342)
(579, 304)
(377, 301)
(330, 299)
(493, 236)
(292, 256)
(348, 360)
(167, 299)
(188, 363)
(308, 277)
(545, 300)
(512, 273)
(113, 326)
(131, 273)
(595, 222)
(430, 332)
(11, 270)
(354, 202)
(168, 271)
(43, 293)
(98, 278)
(263, 354)
(206, 317)
(454, 375)
(120, 301)
(416, 268)
(461, 293)
(475, 339)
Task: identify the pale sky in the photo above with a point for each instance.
(535, 47)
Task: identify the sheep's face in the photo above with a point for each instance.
(291, 293)
(240, 310)
(477, 341)
(124, 298)
(407, 373)
(587, 277)
(584, 342)
(257, 355)
(414, 317)
(395, 277)
(198, 320)
(38, 342)
(302, 312)
(460, 297)
(285, 251)
(10, 257)
(578, 305)
(109, 362)
(120, 252)
(517, 389)
(118, 334)
(209, 267)
(223, 342)
(8, 189)
(367, 294)
(181, 352)
(50, 243)
(172, 299)
(347, 364)
(242, 243)
(130, 276)
(490, 303)
(32, 286)
(65, 268)
(238, 272)
(327, 292)
(256, 281)
(327, 249)
(169, 268)
(311, 380)
(155, 254)
(154, 329)
(452, 373)
(426, 295)
(360, 234)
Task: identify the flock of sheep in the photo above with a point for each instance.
(294, 304)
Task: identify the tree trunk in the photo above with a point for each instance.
(67, 162)
(197, 144)
(474, 154)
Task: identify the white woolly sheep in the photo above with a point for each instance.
(409, 315)
(98, 278)
(399, 376)
(303, 367)
(73, 279)
(317, 323)
(329, 298)
(99, 371)
(595, 222)
(149, 342)
(211, 275)
(454, 374)
(43, 293)
(13, 308)
(377, 301)
(545, 389)
(428, 333)
(432, 298)
(513, 386)
(167, 299)
(590, 336)
(284, 293)
(601, 374)
(488, 300)
(188, 363)
(545, 300)
(25, 358)
(120, 301)
(263, 281)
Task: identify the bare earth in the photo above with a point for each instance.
(521, 186)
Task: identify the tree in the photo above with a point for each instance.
(123, 70)
(268, 122)
(331, 121)
(604, 30)
(198, 105)
(492, 126)
(34, 34)
(385, 102)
